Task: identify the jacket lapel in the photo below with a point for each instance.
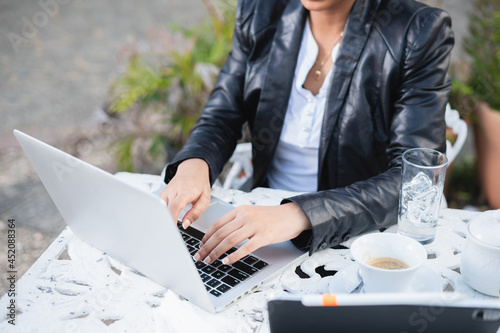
(275, 92)
(356, 33)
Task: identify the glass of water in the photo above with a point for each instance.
(422, 180)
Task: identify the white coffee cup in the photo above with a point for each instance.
(387, 245)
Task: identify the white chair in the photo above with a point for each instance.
(241, 170)
(459, 127)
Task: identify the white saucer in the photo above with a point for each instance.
(346, 280)
(426, 280)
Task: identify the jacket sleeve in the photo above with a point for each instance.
(417, 121)
(214, 137)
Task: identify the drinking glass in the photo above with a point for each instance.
(422, 180)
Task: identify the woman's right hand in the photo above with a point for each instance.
(190, 185)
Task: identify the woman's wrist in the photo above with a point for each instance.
(193, 166)
(298, 217)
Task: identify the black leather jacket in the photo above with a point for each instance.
(388, 93)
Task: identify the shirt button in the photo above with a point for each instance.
(305, 129)
(309, 100)
(309, 113)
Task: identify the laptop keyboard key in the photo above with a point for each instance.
(194, 233)
(230, 280)
(223, 288)
(245, 268)
(225, 268)
(200, 264)
(238, 274)
(212, 274)
(250, 260)
(216, 263)
(205, 277)
(260, 264)
(218, 274)
(213, 283)
(208, 269)
(216, 293)
(193, 242)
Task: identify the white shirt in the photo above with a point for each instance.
(294, 166)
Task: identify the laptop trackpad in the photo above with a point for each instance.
(216, 209)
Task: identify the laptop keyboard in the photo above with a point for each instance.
(217, 277)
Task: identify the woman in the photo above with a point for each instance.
(334, 91)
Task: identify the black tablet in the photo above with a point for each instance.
(292, 315)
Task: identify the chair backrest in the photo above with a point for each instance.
(459, 127)
(242, 169)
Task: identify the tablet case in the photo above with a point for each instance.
(292, 316)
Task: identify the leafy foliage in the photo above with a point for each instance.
(462, 95)
(483, 46)
(463, 186)
(124, 153)
(172, 80)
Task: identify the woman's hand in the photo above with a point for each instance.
(190, 185)
(261, 225)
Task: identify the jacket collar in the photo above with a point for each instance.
(275, 92)
(355, 35)
(281, 68)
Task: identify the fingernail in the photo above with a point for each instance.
(225, 261)
(207, 260)
(196, 256)
(201, 244)
(186, 223)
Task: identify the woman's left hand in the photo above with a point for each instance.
(261, 225)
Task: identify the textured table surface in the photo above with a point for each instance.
(74, 287)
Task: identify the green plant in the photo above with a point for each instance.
(162, 93)
(483, 46)
(463, 186)
(462, 95)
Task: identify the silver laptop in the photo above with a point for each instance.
(136, 228)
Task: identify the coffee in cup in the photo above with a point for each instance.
(387, 263)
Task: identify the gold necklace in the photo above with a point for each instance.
(317, 72)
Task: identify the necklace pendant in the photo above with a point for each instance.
(317, 74)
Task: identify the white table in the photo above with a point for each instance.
(73, 287)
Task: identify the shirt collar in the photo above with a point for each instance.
(310, 43)
(307, 57)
